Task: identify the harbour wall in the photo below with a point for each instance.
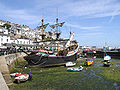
(101, 55)
(3, 85)
(6, 62)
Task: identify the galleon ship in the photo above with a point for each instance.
(65, 50)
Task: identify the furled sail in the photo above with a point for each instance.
(43, 26)
(52, 26)
(59, 24)
(70, 39)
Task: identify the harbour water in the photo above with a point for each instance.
(95, 77)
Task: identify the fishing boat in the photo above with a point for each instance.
(21, 77)
(88, 62)
(106, 61)
(75, 69)
(14, 74)
(106, 64)
(65, 49)
(107, 58)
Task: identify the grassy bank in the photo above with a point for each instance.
(18, 65)
(57, 78)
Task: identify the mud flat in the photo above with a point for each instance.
(95, 77)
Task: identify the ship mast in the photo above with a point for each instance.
(57, 34)
(57, 31)
(42, 27)
(43, 34)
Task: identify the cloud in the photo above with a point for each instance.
(49, 3)
(66, 9)
(91, 8)
(114, 13)
(20, 15)
(91, 34)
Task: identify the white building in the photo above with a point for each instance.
(88, 47)
(23, 41)
(16, 31)
(4, 37)
(2, 22)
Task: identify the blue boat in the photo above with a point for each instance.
(75, 69)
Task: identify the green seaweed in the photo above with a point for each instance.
(95, 77)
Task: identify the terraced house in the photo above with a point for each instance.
(16, 35)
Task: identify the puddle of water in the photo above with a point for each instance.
(115, 84)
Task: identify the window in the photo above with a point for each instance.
(7, 40)
(29, 41)
(18, 30)
(18, 42)
(1, 39)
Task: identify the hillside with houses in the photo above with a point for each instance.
(15, 35)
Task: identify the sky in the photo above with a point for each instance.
(94, 22)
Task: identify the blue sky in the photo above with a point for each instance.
(93, 21)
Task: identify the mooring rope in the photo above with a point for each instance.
(37, 63)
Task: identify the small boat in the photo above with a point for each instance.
(107, 64)
(107, 57)
(21, 77)
(75, 69)
(69, 64)
(88, 62)
(17, 75)
(14, 74)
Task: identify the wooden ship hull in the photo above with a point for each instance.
(47, 60)
(40, 59)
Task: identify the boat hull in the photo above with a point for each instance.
(75, 69)
(47, 60)
(107, 65)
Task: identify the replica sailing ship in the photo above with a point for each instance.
(65, 49)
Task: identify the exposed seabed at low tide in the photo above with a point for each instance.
(95, 77)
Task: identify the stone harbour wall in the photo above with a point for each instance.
(3, 85)
(5, 62)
